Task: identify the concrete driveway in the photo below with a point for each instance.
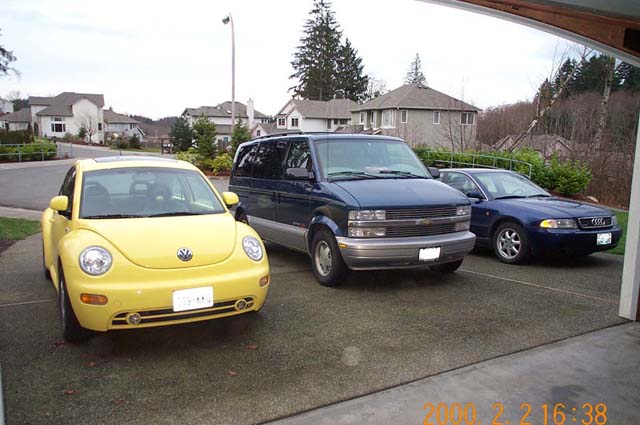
(309, 346)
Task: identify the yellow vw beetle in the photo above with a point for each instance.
(140, 241)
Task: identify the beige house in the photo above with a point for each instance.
(419, 115)
(314, 115)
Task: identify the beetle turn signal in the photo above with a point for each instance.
(94, 299)
(264, 281)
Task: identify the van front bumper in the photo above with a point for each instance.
(396, 253)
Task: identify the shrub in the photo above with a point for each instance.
(134, 142)
(122, 144)
(190, 155)
(569, 178)
(28, 152)
(15, 137)
(82, 133)
(222, 163)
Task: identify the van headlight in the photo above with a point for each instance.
(252, 248)
(366, 215)
(95, 260)
(367, 232)
(463, 210)
(559, 223)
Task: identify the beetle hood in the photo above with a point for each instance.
(154, 242)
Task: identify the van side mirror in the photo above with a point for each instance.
(435, 172)
(59, 203)
(299, 174)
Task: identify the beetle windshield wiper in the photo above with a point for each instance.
(407, 174)
(175, 213)
(98, 216)
(353, 174)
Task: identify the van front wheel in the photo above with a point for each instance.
(326, 260)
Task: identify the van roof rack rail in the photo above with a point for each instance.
(268, 136)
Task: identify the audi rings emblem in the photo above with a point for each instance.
(597, 221)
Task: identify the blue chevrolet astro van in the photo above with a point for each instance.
(352, 202)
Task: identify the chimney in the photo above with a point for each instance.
(250, 113)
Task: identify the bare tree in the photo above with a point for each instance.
(543, 109)
(89, 123)
(376, 87)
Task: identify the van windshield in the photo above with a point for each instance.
(368, 158)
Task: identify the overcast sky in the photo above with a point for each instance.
(155, 58)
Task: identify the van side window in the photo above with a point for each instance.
(245, 161)
(269, 159)
(299, 155)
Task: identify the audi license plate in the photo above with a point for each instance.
(603, 239)
(192, 299)
(429, 254)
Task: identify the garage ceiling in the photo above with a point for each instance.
(611, 26)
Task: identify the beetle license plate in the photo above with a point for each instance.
(429, 254)
(194, 298)
(604, 239)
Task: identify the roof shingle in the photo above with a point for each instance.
(21, 115)
(61, 105)
(331, 109)
(223, 110)
(416, 96)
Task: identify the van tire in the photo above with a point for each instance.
(326, 261)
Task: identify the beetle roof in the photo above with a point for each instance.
(131, 161)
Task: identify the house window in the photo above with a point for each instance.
(258, 133)
(132, 126)
(373, 118)
(361, 118)
(404, 116)
(343, 122)
(282, 122)
(387, 118)
(466, 118)
(328, 124)
(436, 117)
(294, 122)
(99, 126)
(225, 139)
(58, 125)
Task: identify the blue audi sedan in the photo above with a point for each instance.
(518, 219)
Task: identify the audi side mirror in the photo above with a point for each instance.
(435, 172)
(474, 194)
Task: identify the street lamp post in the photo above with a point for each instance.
(229, 20)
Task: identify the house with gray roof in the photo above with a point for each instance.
(314, 115)
(68, 112)
(420, 115)
(16, 121)
(121, 126)
(220, 115)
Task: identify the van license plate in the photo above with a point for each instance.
(604, 239)
(194, 298)
(429, 254)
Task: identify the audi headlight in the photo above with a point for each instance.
(463, 210)
(366, 215)
(95, 260)
(559, 223)
(252, 248)
(614, 220)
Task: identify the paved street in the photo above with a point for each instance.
(315, 345)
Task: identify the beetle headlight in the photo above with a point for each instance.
(252, 248)
(559, 223)
(95, 260)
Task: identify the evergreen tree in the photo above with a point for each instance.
(239, 135)
(350, 81)
(315, 62)
(592, 75)
(182, 134)
(563, 73)
(629, 77)
(414, 74)
(6, 57)
(205, 133)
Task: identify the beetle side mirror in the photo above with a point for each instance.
(230, 198)
(435, 172)
(59, 203)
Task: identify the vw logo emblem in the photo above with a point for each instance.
(597, 221)
(185, 254)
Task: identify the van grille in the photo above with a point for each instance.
(417, 213)
(421, 230)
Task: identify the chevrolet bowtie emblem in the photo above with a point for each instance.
(426, 221)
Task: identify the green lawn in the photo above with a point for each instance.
(623, 217)
(16, 228)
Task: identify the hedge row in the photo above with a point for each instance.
(566, 177)
(15, 137)
(28, 152)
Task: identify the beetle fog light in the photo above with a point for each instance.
(240, 305)
(133, 318)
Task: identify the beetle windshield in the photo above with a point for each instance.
(146, 192)
(368, 158)
(502, 185)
